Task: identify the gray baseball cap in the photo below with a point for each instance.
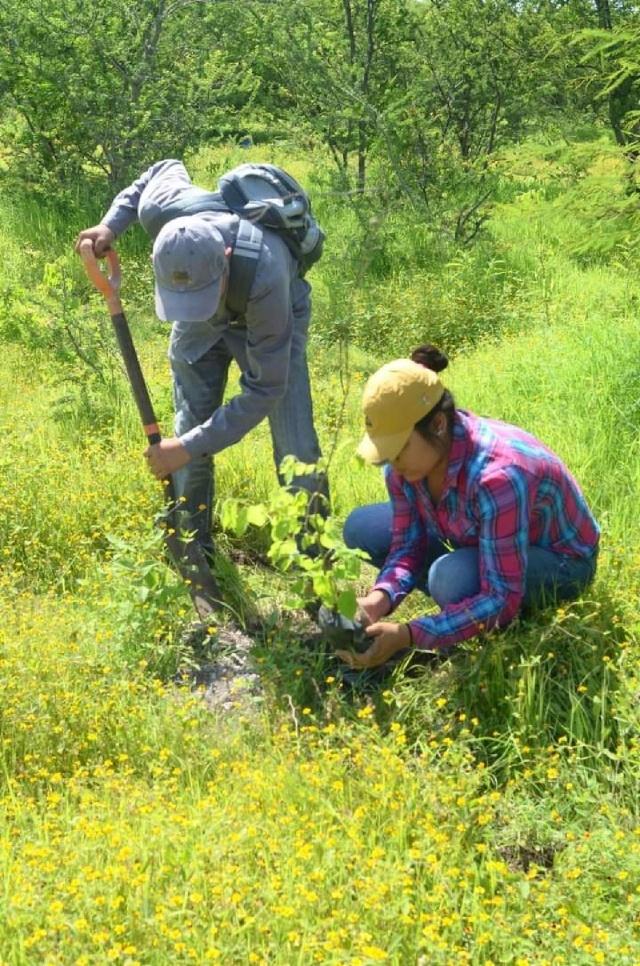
(188, 262)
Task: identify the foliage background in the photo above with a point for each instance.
(475, 168)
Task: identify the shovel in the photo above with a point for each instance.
(188, 556)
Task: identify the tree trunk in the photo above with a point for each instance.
(622, 99)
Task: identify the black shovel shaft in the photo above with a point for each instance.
(140, 391)
(136, 378)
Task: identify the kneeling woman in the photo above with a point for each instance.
(482, 516)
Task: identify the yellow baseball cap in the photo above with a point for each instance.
(395, 398)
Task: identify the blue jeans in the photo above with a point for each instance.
(198, 390)
(449, 576)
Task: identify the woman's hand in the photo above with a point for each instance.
(389, 638)
(372, 607)
(166, 457)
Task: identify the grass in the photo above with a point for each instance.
(483, 810)
(182, 838)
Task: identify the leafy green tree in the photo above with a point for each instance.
(474, 83)
(418, 96)
(615, 57)
(621, 48)
(108, 88)
(593, 77)
(325, 66)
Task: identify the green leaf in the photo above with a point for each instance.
(281, 528)
(324, 587)
(229, 514)
(327, 541)
(257, 515)
(288, 548)
(347, 603)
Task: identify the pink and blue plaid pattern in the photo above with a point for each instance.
(504, 491)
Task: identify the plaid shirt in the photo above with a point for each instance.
(503, 491)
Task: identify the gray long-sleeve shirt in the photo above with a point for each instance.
(260, 342)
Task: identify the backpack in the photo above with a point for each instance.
(261, 195)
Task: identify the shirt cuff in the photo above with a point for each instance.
(421, 638)
(395, 595)
(118, 220)
(195, 443)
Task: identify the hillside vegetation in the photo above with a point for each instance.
(483, 810)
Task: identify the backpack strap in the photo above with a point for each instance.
(193, 201)
(244, 263)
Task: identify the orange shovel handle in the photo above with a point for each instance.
(107, 285)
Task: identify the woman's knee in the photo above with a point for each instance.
(368, 528)
(438, 584)
(355, 528)
(454, 576)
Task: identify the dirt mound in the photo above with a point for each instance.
(222, 668)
